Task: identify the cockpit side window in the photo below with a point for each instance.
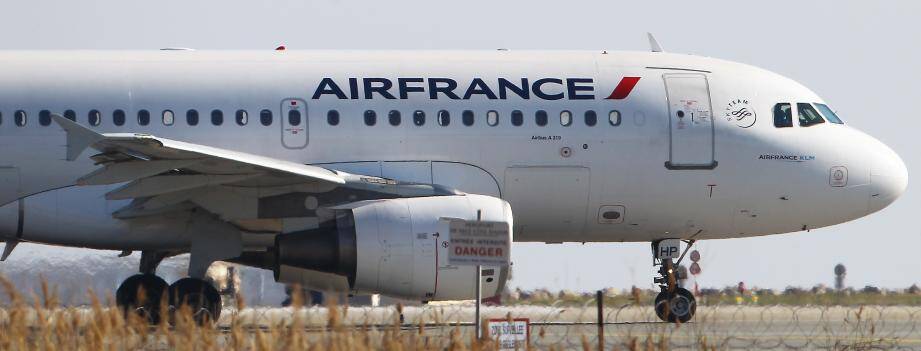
(828, 113)
(783, 115)
(808, 116)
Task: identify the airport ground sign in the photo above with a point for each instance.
(510, 334)
(479, 243)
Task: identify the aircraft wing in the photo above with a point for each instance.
(163, 175)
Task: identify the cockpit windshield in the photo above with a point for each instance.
(828, 113)
(783, 115)
(808, 116)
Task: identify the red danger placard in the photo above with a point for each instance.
(479, 243)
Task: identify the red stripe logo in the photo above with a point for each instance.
(623, 88)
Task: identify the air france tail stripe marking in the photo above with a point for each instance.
(623, 88)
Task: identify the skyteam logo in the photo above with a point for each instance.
(436, 88)
(740, 113)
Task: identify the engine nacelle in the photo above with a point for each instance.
(396, 247)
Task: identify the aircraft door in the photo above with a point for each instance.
(690, 122)
(294, 123)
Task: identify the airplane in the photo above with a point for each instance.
(337, 170)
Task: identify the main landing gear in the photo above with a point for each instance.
(149, 296)
(673, 304)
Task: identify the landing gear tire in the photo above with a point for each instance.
(674, 304)
(141, 294)
(676, 307)
(199, 296)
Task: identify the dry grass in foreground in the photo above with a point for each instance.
(43, 325)
(39, 322)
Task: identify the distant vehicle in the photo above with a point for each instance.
(336, 169)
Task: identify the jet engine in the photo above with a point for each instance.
(395, 247)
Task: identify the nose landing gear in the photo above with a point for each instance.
(673, 304)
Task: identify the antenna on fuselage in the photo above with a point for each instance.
(653, 43)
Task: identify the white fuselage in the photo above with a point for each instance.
(645, 176)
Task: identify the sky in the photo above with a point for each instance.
(862, 57)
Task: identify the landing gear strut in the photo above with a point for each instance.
(673, 304)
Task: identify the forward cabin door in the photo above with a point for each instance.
(690, 122)
(294, 123)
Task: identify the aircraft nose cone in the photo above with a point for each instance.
(888, 179)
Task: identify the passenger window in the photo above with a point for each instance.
(565, 118)
(444, 118)
(44, 118)
(265, 117)
(168, 118)
(614, 118)
(540, 117)
(191, 117)
(419, 118)
(242, 117)
(143, 117)
(517, 118)
(467, 117)
(332, 117)
(492, 118)
(217, 117)
(118, 117)
(370, 118)
(394, 117)
(294, 117)
(783, 115)
(95, 117)
(591, 118)
(830, 115)
(808, 116)
(71, 115)
(1, 118)
(20, 118)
